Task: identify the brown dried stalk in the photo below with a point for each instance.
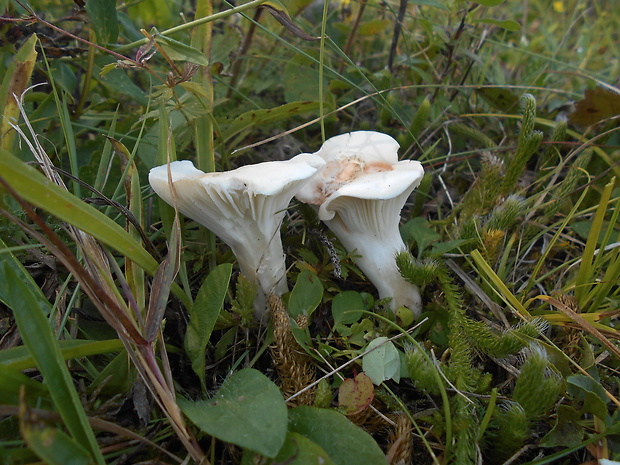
(400, 447)
(292, 363)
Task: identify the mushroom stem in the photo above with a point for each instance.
(263, 265)
(374, 246)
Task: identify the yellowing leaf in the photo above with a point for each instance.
(355, 394)
(374, 27)
(14, 83)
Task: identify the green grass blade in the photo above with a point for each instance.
(52, 445)
(206, 309)
(67, 128)
(19, 358)
(586, 271)
(38, 336)
(558, 234)
(484, 269)
(603, 289)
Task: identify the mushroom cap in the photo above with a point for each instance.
(266, 178)
(257, 191)
(371, 146)
(361, 165)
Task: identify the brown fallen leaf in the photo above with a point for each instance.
(356, 394)
(598, 104)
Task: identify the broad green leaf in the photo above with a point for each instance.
(256, 118)
(102, 15)
(383, 362)
(248, 410)
(360, 331)
(508, 24)
(16, 80)
(203, 316)
(38, 337)
(567, 432)
(178, 51)
(302, 336)
(63, 76)
(344, 306)
(7, 257)
(345, 443)
(301, 80)
(306, 295)
(490, 2)
(164, 13)
(118, 376)
(445, 247)
(590, 392)
(12, 380)
(418, 230)
(299, 450)
(117, 80)
(433, 3)
(54, 446)
(19, 358)
(224, 47)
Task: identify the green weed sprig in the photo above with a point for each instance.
(528, 142)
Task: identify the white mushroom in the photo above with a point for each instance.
(359, 194)
(243, 207)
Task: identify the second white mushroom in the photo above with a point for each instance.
(359, 194)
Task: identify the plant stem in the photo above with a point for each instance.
(321, 66)
(398, 25)
(353, 34)
(88, 75)
(203, 127)
(203, 130)
(197, 22)
(244, 49)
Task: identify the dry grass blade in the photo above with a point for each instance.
(583, 324)
(162, 283)
(109, 307)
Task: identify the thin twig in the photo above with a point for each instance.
(333, 372)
